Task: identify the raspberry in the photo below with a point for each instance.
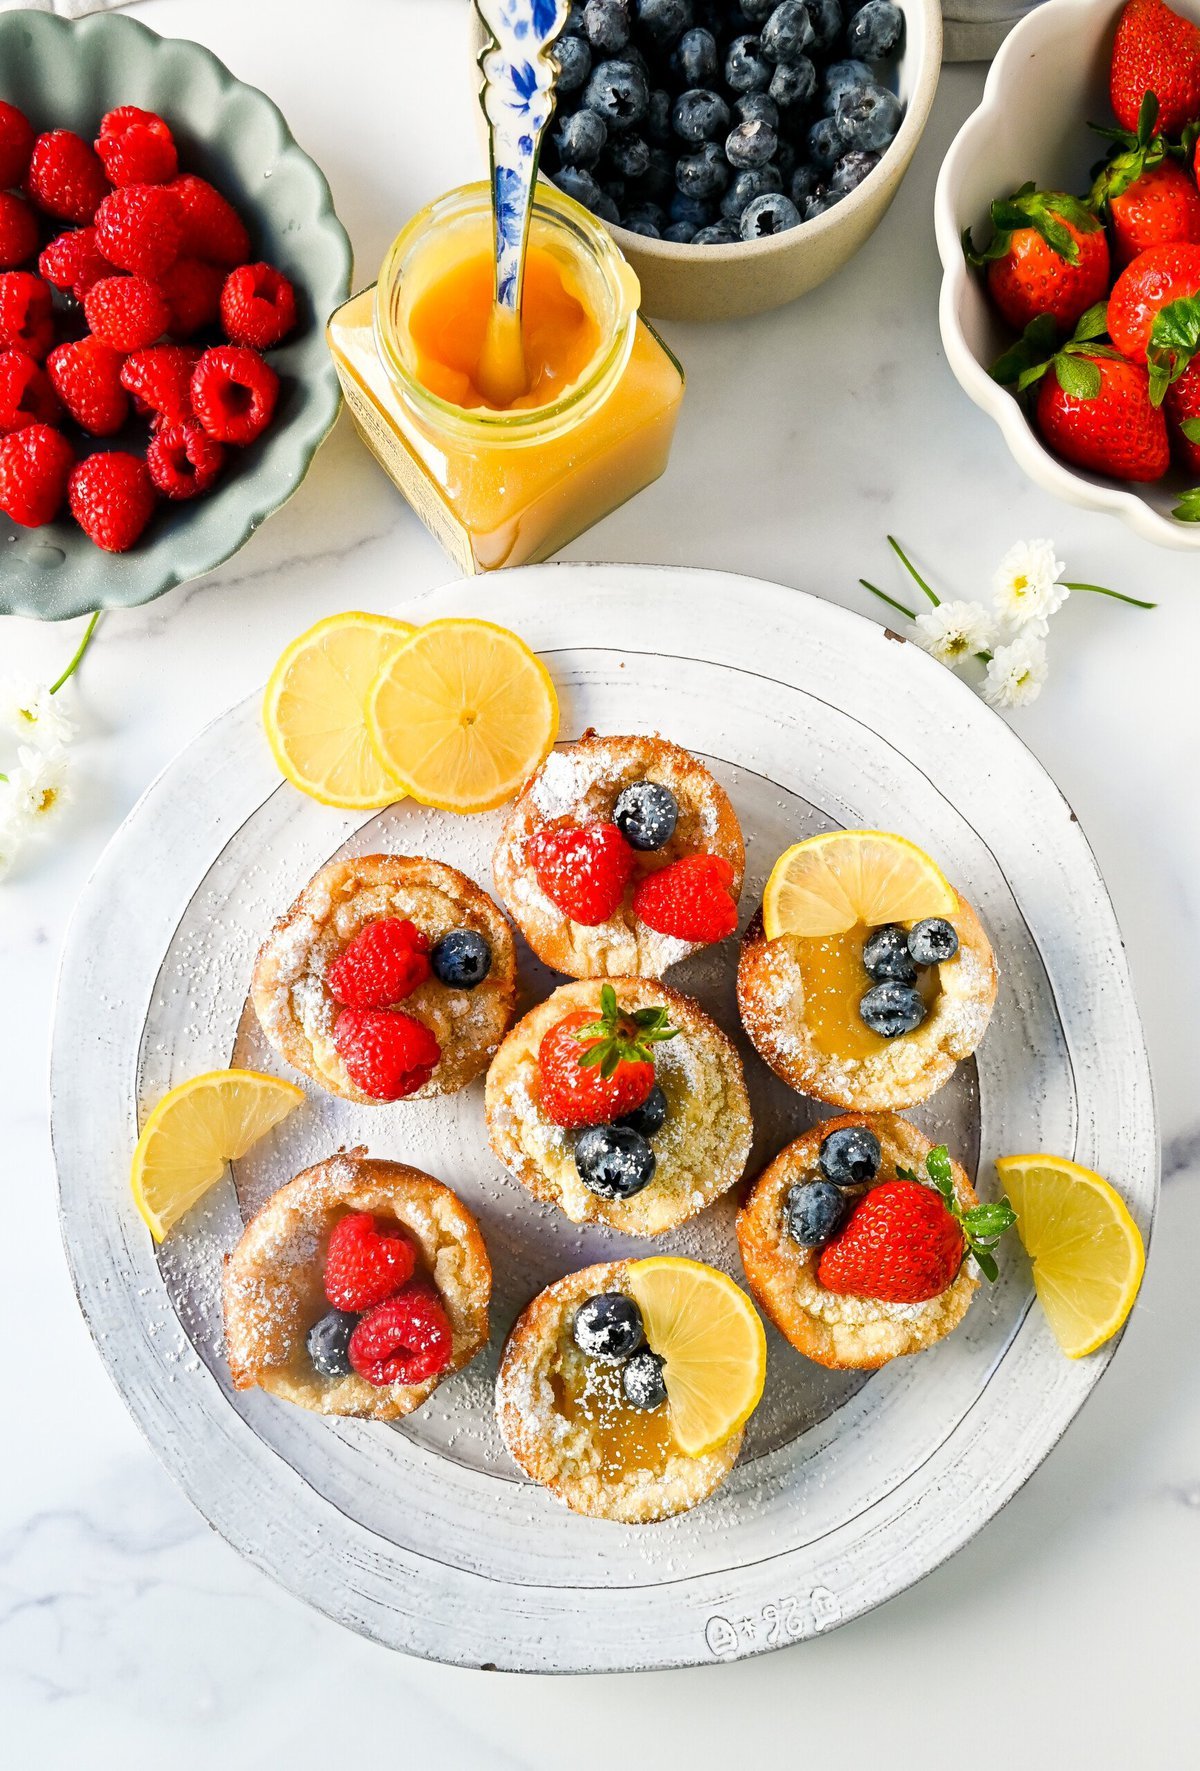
(212, 228)
(234, 393)
(74, 261)
(66, 177)
(136, 147)
(184, 460)
(35, 465)
(387, 1053)
(112, 499)
(367, 1262)
(87, 379)
(126, 312)
(407, 1340)
(18, 231)
(690, 899)
(139, 228)
(384, 963)
(26, 395)
(160, 380)
(583, 868)
(26, 317)
(193, 290)
(258, 306)
(16, 145)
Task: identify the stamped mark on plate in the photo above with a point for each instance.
(781, 1620)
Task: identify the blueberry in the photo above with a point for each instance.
(769, 214)
(891, 1009)
(745, 187)
(658, 117)
(614, 1162)
(746, 67)
(628, 154)
(574, 58)
(615, 191)
(700, 115)
(886, 955)
(757, 107)
(680, 233)
(646, 229)
(462, 959)
(788, 32)
(758, 10)
(646, 814)
(875, 30)
(328, 1340)
(823, 198)
(577, 182)
(658, 180)
(851, 169)
(803, 184)
(574, 26)
(608, 1327)
(933, 941)
(793, 83)
(850, 1155)
(606, 207)
(868, 117)
(720, 233)
(618, 91)
(694, 59)
(645, 215)
(664, 19)
(606, 24)
(688, 212)
(844, 76)
(826, 18)
(580, 138)
(785, 163)
(642, 1380)
(749, 145)
(813, 1212)
(825, 143)
(704, 174)
(650, 1116)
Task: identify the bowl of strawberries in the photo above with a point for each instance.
(1068, 224)
(168, 257)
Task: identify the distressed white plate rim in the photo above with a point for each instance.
(422, 1539)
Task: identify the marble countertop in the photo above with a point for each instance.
(1065, 1633)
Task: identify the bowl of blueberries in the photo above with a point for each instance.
(740, 153)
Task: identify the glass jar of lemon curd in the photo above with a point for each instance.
(500, 487)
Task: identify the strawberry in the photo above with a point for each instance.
(583, 868)
(690, 899)
(387, 1053)
(112, 498)
(905, 1241)
(385, 962)
(35, 464)
(1154, 312)
(1157, 51)
(1182, 407)
(1095, 409)
(366, 1262)
(406, 1340)
(1149, 198)
(592, 1070)
(1048, 255)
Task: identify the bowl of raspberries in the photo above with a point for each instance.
(168, 256)
(1068, 223)
(740, 153)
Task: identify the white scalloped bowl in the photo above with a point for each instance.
(1048, 81)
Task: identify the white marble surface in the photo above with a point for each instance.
(1065, 1634)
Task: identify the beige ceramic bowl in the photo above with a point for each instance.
(722, 282)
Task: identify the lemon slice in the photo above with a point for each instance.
(194, 1131)
(708, 1331)
(462, 714)
(314, 710)
(832, 883)
(1086, 1250)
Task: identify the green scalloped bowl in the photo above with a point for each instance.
(67, 75)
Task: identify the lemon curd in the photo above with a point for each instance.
(835, 981)
(624, 1438)
(505, 485)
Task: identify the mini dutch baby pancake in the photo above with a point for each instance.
(620, 857)
(866, 977)
(624, 1388)
(356, 1289)
(621, 1102)
(862, 1241)
(390, 976)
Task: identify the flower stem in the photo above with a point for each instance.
(885, 598)
(77, 660)
(912, 570)
(1100, 590)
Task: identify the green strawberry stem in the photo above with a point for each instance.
(77, 660)
(1188, 508)
(982, 1226)
(621, 1037)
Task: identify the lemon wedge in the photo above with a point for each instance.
(194, 1131)
(314, 710)
(462, 714)
(835, 882)
(708, 1332)
(1087, 1252)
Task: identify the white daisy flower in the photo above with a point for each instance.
(954, 632)
(30, 710)
(39, 783)
(1026, 586)
(1016, 672)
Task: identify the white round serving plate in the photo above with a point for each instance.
(424, 1535)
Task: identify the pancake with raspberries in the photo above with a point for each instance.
(391, 977)
(620, 857)
(356, 1289)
